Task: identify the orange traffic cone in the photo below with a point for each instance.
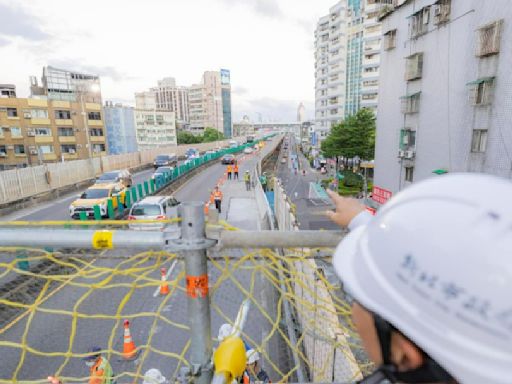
(164, 287)
(129, 348)
(206, 208)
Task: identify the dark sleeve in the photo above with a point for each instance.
(262, 376)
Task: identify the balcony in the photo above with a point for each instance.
(61, 104)
(49, 156)
(40, 121)
(70, 156)
(37, 102)
(44, 139)
(63, 122)
(67, 139)
(97, 139)
(95, 123)
(93, 106)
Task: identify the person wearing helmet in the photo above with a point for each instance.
(431, 277)
(100, 371)
(154, 376)
(247, 179)
(253, 371)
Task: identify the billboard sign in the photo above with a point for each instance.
(225, 77)
(381, 195)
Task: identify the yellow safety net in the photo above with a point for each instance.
(57, 304)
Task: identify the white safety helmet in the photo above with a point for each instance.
(154, 376)
(224, 331)
(252, 356)
(436, 263)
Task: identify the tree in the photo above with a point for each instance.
(355, 136)
(188, 138)
(211, 134)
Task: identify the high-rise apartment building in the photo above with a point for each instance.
(120, 127)
(170, 97)
(34, 131)
(154, 127)
(197, 110)
(330, 68)
(355, 44)
(445, 72)
(225, 81)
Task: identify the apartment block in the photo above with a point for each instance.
(154, 128)
(120, 128)
(445, 91)
(170, 97)
(35, 131)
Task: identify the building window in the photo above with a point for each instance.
(411, 103)
(16, 132)
(407, 139)
(479, 141)
(68, 148)
(65, 132)
(390, 40)
(97, 148)
(43, 132)
(414, 67)
(442, 10)
(12, 112)
(63, 115)
(3, 151)
(481, 91)
(409, 174)
(39, 113)
(45, 149)
(96, 132)
(418, 22)
(94, 115)
(489, 37)
(19, 149)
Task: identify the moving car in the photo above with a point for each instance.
(248, 150)
(192, 152)
(161, 171)
(233, 144)
(228, 159)
(165, 160)
(120, 176)
(98, 194)
(153, 208)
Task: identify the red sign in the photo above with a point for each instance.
(197, 286)
(373, 211)
(381, 195)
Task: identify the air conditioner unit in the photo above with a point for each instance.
(71, 151)
(33, 151)
(31, 132)
(405, 139)
(3, 154)
(27, 115)
(409, 154)
(401, 153)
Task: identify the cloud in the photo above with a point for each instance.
(270, 109)
(4, 41)
(14, 21)
(267, 8)
(239, 90)
(307, 26)
(102, 71)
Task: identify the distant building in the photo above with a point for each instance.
(120, 127)
(170, 97)
(301, 113)
(154, 128)
(354, 59)
(445, 68)
(7, 90)
(225, 81)
(243, 128)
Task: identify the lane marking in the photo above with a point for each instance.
(157, 290)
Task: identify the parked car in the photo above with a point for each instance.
(120, 176)
(165, 160)
(98, 194)
(161, 171)
(248, 150)
(153, 208)
(228, 159)
(233, 144)
(192, 152)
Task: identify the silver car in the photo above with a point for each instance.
(153, 208)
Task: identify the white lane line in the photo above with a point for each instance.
(157, 290)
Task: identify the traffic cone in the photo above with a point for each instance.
(164, 287)
(129, 348)
(206, 208)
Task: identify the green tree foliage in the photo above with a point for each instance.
(210, 134)
(355, 136)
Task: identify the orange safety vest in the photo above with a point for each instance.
(217, 195)
(236, 168)
(229, 169)
(101, 372)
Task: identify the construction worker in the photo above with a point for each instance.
(217, 198)
(100, 370)
(253, 371)
(430, 277)
(263, 181)
(229, 170)
(247, 179)
(235, 171)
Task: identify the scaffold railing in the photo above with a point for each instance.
(66, 287)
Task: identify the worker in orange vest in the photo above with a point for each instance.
(229, 169)
(217, 198)
(235, 170)
(100, 369)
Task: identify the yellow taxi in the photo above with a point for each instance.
(97, 194)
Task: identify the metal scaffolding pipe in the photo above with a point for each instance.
(280, 239)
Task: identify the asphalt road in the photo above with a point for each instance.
(115, 295)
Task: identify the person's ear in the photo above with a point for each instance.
(404, 354)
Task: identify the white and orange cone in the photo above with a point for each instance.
(129, 348)
(164, 286)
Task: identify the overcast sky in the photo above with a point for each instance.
(267, 45)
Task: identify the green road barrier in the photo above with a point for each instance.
(127, 199)
(146, 188)
(22, 262)
(97, 212)
(82, 216)
(139, 189)
(152, 185)
(110, 209)
(120, 206)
